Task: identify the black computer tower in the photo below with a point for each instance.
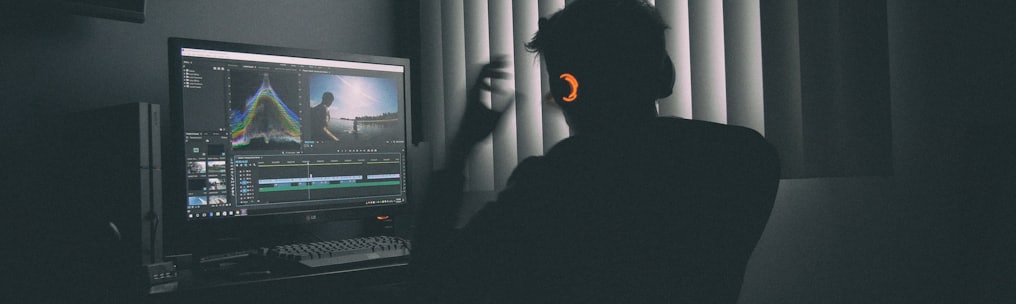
(118, 178)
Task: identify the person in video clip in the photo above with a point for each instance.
(632, 208)
(319, 117)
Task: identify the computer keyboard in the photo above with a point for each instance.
(340, 252)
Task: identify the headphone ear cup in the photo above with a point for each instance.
(571, 87)
(666, 77)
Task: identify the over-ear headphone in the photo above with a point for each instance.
(573, 86)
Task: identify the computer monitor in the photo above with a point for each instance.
(265, 136)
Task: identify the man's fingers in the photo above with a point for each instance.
(498, 74)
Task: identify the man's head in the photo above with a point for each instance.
(615, 58)
(327, 98)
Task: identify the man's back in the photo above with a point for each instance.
(666, 210)
(318, 122)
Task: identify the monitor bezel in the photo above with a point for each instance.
(181, 234)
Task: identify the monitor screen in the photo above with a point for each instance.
(283, 134)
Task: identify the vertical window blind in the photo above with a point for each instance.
(715, 46)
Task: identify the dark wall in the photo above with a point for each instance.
(954, 87)
(53, 60)
(53, 63)
(826, 76)
(940, 229)
(845, 88)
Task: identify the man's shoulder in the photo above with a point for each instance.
(529, 167)
(663, 144)
(708, 129)
(742, 143)
(663, 133)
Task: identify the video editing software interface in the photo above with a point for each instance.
(270, 134)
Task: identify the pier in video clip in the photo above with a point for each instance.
(365, 109)
(216, 166)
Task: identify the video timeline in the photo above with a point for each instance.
(288, 180)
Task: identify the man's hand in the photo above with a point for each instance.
(479, 121)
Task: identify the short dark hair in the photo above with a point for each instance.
(327, 98)
(625, 33)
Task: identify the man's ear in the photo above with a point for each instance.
(666, 76)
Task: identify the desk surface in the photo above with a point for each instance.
(366, 283)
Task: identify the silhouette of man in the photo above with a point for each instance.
(319, 116)
(633, 208)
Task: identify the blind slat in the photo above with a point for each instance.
(505, 146)
(480, 168)
(709, 88)
(743, 43)
(433, 79)
(529, 114)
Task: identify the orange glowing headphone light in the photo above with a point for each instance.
(574, 84)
